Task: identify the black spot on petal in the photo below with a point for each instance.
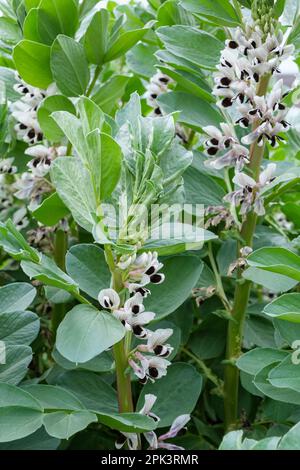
(233, 45)
(153, 372)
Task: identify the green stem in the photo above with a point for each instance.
(60, 249)
(241, 296)
(94, 80)
(120, 350)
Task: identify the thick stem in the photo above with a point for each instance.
(123, 379)
(120, 353)
(241, 296)
(60, 249)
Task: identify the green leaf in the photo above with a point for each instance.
(272, 281)
(31, 4)
(69, 66)
(16, 297)
(100, 398)
(285, 375)
(253, 361)
(208, 341)
(279, 8)
(50, 211)
(190, 83)
(17, 422)
(141, 60)
(60, 17)
(96, 37)
(10, 31)
(32, 61)
(259, 329)
(288, 331)
(73, 185)
(39, 440)
(101, 363)
(85, 332)
(63, 425)
(128, 422)
(109, 94)
(220, 12)
(57, 296)
(181, 275)
(91, 115)
(193, 240)
(286, 307)
(87, 266)
(171, 12)
(177, 393)
(14, 396)
(199, 47)
(194, 111)
(111, 159)
(15, 244)
(19, 327)
(48, 106)
(72, 129)
(17, 360)
(49, 273)
(123, 43)
(51, 397)
(9, 80)
(232, 441)
(202, 189)
(92, 391)
(261, 381)
(290, 440)
(269, 443)
(276, 260)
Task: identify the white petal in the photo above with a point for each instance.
(176, 426)
(136, 299)
(213, 132)
(242, 180)
(149, 403)
(151, 438)
(37, 151)
(109, 298)
(141, 318)
(267, 174)
(159, 337)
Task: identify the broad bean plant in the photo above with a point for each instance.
(149, 225)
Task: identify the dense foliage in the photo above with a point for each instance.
(112, 335)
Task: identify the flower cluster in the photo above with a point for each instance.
(241, 262)
(249, 60)
(138, 272)
(7, 167)
(249, 194)
(32, 184)
(245, 60)
(157, 86)
(216, 215)
(224, 148)
(6, 197)
(154, 441)
(25, 110)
